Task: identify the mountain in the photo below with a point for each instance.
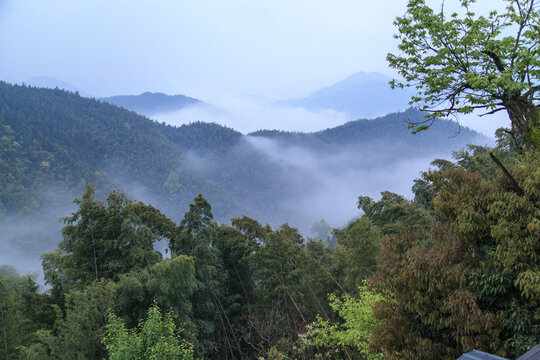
(361, 95)
(58, 137)
(443, 135)
(152, 103)
(54, 142)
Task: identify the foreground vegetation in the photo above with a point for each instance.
(455, 268)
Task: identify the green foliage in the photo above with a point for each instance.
(156, 338)
(461, 62)
(358, 247)
(169, 283)
(353, 333)
(195, 236)
(23, 311)
(57, 137)
(103, 242)
(76, 333)
(474, 283)
(393, 212)
(456, 268)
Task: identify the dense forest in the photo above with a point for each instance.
(54, 143)
(451, 270)
(454, 267)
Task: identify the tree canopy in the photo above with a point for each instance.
(459, 62)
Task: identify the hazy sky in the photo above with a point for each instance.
(203, 48)
(208, 49)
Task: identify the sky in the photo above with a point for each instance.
(207, 49)
(204, 48)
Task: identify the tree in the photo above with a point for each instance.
(358, 246)
(169, 283)
(156, 339)
(321, 229)
(22, 311)
(462, 62)
(355, 331)
(195, 237)
(76, 335)
(103, 242)
(472, 279)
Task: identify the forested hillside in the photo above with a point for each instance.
(55, 142)
(389, 130)
(54, 137)
(152, 103)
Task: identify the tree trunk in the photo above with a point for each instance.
(525, 118)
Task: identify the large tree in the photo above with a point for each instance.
(103, 241)
(195, 236)
(459, 62)
(472, 278)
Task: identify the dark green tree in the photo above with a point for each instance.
(23, 311)
(358, 247)
(103, 242)
(195, 236)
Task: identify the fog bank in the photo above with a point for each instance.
(248, 115)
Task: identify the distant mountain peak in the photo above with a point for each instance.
(149, 103)
(361, 95)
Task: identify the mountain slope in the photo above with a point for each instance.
(361, 95)
(54, 136)
(152, 103)
(53, 139)
(443, 135)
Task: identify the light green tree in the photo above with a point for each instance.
(157, 338)
(459, 62)
(353, 334)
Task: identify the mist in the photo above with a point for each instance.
(314, 183)
(24, 238)
(319, 183)
(328, 184)
(247, 114)
(270, 180)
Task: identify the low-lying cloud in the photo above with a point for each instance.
(325, 183)
(248, 115)
(24, 238)
(328, 184)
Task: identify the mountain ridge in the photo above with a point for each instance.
(58, 138)
(149, 103)
(360, 95)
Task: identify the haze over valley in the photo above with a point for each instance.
(275, 176)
